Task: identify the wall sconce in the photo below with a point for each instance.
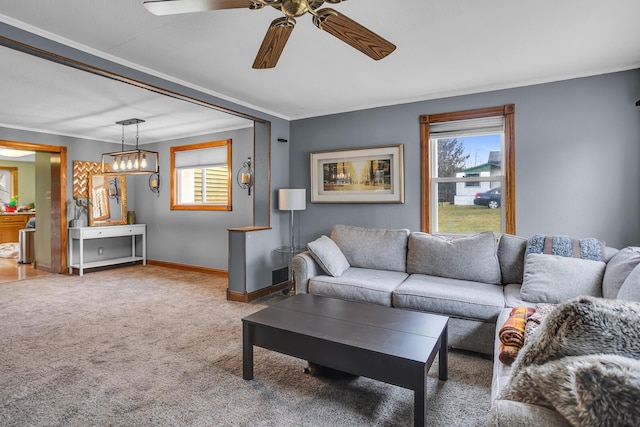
(244, 177)
(154, 183)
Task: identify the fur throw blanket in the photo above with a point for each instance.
(607, 331)
(585, 325)
(594, 390)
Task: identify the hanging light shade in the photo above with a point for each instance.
(131, 162)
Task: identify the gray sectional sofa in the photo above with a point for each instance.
(474, 280)
(469, 279)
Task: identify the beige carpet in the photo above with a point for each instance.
(150, 346)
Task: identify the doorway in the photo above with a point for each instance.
(51, 215)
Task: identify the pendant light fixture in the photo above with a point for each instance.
(130, 162)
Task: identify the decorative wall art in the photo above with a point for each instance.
(363, 175)
(81, 172)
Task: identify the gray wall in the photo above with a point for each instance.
(192, 237)
(577, 145)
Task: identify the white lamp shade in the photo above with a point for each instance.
(292, 199)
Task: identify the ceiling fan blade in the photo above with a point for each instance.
(173, 7)
(352, 33)
(274, 42)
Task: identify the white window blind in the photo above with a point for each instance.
(190, 159)
(480, 126)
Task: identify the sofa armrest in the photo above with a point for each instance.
(304, 268)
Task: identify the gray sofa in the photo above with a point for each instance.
(469, 279)
(620, 281)
(474, 280)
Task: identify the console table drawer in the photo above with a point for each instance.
(112, 231)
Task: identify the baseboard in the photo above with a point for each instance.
(42, 267)
(185, 267)
(251, 296)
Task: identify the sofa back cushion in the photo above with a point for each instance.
(466, 258)
(556, 279)
(630, 289)
(617, 271)
(511, 251)
(374, 248)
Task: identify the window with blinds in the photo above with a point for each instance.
(468, 171)
(201, 177)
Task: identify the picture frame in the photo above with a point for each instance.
(359, 175)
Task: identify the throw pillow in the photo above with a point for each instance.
(594, 390)
(555, 279)
(630, 289)
(618, 268)
(466, 258)
(588, 248)
(329, 256)
(582, 326)
(376, 248)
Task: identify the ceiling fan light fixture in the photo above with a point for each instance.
(295, 8)
(334, 23)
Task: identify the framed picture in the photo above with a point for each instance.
(362, 175)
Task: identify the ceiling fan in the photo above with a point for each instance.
(327, 19)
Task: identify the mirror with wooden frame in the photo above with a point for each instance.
(107, 199)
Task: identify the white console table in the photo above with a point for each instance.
(85, 233)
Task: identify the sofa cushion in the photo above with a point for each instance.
(512, 297)
(372, 248)
(450, 297)
(630, 289)
(329, 256)
(509, 413)
(511, 256)
(555, 279)
(618, 268)
(359, 284)
(471, 258)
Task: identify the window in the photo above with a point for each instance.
(471, 183)
(201, 177)
(468, 171)
(8, 184)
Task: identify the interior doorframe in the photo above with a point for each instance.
(58, 202)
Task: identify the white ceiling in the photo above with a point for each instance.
(444, 48)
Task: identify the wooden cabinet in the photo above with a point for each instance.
(11, 224)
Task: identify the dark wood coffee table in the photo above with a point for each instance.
(387, 344)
